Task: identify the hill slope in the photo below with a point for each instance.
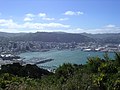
(105, 38)
(53, 37)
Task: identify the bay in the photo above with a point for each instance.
(62, 56)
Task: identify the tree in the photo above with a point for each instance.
(65, 70)
(93, 63)
(117, 58)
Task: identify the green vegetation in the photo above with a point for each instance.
(96, 74)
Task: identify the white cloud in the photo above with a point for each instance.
(106, 29)
(79, 29)
(5, 21)
(9, 30)
(30, 15)
(63, 19)
(8, 25)
(110, 26)
(28, 19)
(44, 25)
(42, 15)
(71, 13)
(11, 25)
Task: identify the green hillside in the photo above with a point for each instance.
(97, 74)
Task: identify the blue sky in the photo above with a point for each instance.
(73, 16)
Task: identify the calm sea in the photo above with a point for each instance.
(63, 56)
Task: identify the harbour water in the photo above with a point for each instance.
(62, 56)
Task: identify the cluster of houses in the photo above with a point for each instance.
(103, 48)
(24, 46)
(7, 55)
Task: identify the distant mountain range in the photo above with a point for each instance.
(61, 37)
(105, 38)
(53, 37)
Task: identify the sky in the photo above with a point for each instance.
(72, 16)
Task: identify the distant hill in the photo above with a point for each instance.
(53, 37)
(105, 38)
(61, 37)
(101, 36)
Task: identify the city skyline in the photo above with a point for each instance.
(75, 16)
